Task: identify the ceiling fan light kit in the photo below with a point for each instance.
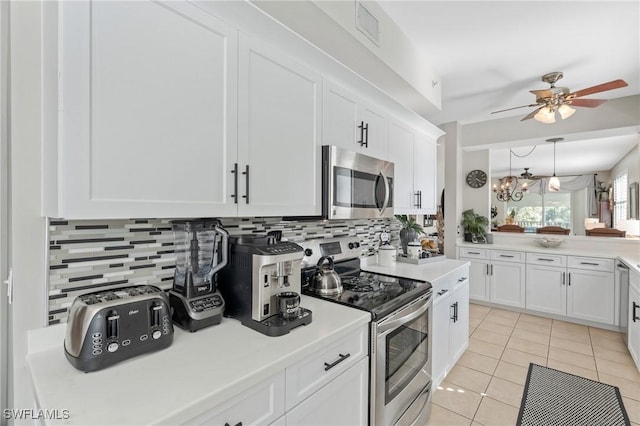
(557, 99)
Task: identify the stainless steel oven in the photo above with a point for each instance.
(355, 185)
(400, 338)
(401, 379)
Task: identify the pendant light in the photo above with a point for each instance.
(554, 182)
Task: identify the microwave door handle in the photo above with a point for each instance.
(386, 193)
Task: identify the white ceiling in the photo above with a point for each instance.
(490, 54)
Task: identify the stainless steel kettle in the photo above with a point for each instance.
(326, 281)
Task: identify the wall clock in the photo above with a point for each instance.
(476, 178)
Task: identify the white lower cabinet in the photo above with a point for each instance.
(450, 336)
(572, 286)
(330, 387)
(633, 332)
(343, 401)
(260, 405)
(496, 276)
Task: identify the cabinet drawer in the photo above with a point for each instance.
(546, 259)
(441, 288)
(260, 405)
(478, 253)
(458, 277)
(591, 263)
(309, 375)
(507, 256)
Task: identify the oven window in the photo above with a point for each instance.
(407, 352)
(354, 189)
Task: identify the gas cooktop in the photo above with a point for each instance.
(375, 293)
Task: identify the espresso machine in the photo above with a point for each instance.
(201, 252)
(261, 284)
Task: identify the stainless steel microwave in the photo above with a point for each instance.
(355, 186)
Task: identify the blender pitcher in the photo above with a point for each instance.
(198, 246)
(201, 248)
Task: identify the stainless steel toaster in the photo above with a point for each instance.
(107, 327)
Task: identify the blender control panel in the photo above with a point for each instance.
(206, 303)
(280, 248)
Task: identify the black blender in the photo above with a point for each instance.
(201, 248)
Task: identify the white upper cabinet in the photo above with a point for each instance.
(414, 157)
(147, 110)
(352, 123)
(280, 104)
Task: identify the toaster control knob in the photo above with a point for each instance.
(112, 347)
(156, 334)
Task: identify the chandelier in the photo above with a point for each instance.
(508, 190)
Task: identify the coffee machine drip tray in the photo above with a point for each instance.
(276, 326)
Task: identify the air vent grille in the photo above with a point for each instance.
(367, 23)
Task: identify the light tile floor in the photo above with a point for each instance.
(485, 387)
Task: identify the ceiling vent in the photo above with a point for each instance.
(367, 23)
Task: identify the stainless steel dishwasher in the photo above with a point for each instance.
(622, 276)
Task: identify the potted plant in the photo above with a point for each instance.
(474, 226)
(410, 230)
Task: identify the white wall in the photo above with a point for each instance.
(4, 190)
(452, 184)
(629, 163)
(27, 233)
(476, 198)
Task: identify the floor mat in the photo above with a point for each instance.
(553, 397)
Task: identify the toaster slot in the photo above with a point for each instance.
(156, 309)
(112, 324)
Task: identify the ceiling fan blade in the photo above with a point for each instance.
(588, 103)
(615, 84)
(532, 113)
(509, 109)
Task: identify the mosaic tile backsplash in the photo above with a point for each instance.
(92, 255)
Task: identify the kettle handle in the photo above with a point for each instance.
(322, 259)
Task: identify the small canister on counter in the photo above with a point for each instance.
(386, 254)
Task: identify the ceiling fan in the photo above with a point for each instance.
(558, 99)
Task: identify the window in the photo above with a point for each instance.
(619, 199)
(536, 210)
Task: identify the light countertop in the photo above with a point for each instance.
(196, 373)
(426, 272)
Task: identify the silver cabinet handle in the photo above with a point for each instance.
(506, 255)
(472, 252)
(491, 270)
(341, 358)
(563, 277)
(589, 263)
(569, 280)
(246, 173)
(635, 317)
(545, 260)
(235, 183)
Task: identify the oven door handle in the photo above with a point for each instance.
(415, 309)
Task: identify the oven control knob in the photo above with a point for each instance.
(354, 245)
(308, 252)
(156, 334)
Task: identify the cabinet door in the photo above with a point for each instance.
(261, 405)
(344, 401)
(278, 133)
(633, 336)
(478, 280)
(402, 156)
(590, 295)
(440, 341)
(339, 117)
(148, 112)
(459, 331)
(424, 172)
(377, 131)
(546, 290)
(507, 283)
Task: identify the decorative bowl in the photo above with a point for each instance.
(550, 242)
